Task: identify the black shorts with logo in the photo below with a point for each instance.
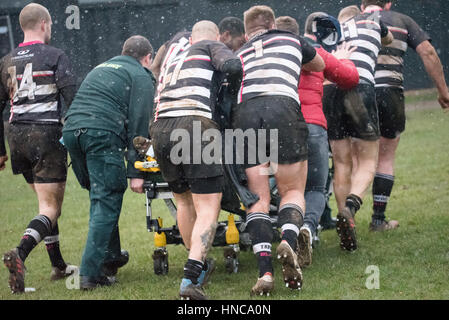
(279, 113)
(391, 106)
(186, 168)
(37, 153)
(351, 113)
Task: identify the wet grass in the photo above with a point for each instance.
(413, 261)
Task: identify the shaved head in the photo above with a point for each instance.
(205, 30)
(32, 15)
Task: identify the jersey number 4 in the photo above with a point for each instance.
(27, 85)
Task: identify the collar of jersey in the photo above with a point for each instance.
(373, 9)
(24, 44)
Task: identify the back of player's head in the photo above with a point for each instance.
(204, 30)
(288, 24)
(348, 13)
(258, 18)
(233, 25)
(32, 15)
(380, 3)
(137, 47)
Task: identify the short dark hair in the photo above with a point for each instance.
(233, 25)
(288, 24)
(137, 47)
(380, 3)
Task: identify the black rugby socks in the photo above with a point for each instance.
(37, 230)
(54, 252)
(382, 186)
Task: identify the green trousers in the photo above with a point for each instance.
(98, 162)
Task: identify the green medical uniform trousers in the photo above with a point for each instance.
(98, 162)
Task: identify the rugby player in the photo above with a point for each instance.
(268, 99)
(187, 98)
(344, 74)
(34, 78)
(390, 98)
(353, 125)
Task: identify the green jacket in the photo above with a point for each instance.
(117, 96)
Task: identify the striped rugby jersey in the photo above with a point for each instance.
(365, 32)
(272, 64)
(32, 76)
(390, 62)
(191, 80)
(177, 45)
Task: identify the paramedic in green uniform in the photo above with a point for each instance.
(112, 106)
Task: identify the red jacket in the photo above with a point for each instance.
(341, 72)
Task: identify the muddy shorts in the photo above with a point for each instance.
(37, 153)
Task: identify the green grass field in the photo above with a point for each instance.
(413, 261)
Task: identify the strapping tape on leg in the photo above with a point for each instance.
(262, 247)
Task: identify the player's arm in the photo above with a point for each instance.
(386, 35)
(157, 63)
(311, 61)
(434, 68)
(3, 155)
(65, 79)
(339, 69)
(419, 40)
(224, 60)
(139, 111)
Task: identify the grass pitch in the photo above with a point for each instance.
(413, 261)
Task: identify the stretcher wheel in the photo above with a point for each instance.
(160, 261)
(231, 260)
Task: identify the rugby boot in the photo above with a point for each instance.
(264, 285)
(110, 268)
(290, 267)
(190, 291)
(204, 277)
(304, 251)
(346, 229)
(384, 226)
(141, 144)
(17, 269)
(90, 283)
(57, 274)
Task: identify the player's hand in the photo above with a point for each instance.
(136, 185)
(343, 51)
(443, 99)
(3, 160)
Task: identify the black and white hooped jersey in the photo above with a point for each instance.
(390, 62)
(272, 64)
(32, 76)
(191, 80)
(175, 46)
(365, 32)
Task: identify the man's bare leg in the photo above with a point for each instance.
(185, 216)
(291, 181)
(342, 157)
(207, 207)
(367, 155)
(260, 228)
(42, 227)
